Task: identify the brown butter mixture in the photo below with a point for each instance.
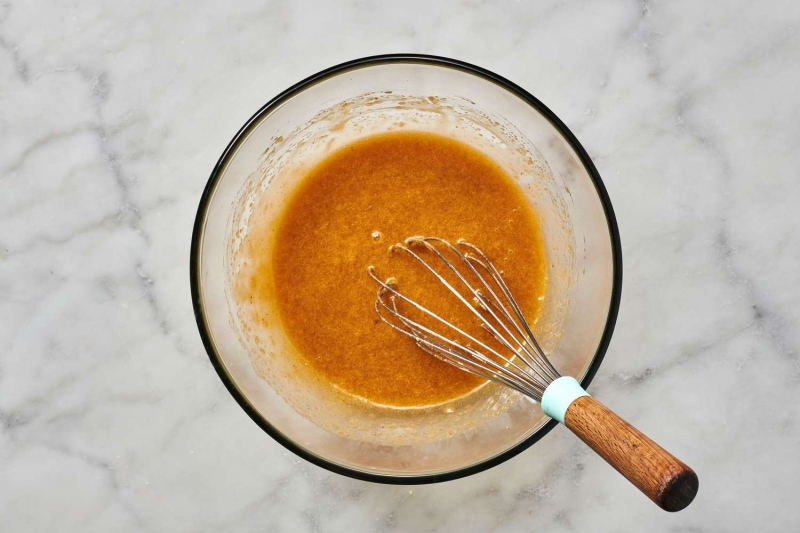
(343, 217)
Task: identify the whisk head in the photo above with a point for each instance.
(514, 359)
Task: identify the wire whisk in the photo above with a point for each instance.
(516, 359)
(524, 367)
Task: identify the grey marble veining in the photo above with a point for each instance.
(111, 118)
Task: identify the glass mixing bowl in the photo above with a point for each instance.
(260, 168)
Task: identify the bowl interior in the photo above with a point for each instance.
(262, 167)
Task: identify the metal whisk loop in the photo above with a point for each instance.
(528, 334)
(517, 345)
(526, 370)
(445, 348)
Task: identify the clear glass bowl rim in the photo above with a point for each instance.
(216, 174)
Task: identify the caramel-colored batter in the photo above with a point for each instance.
(347, 212)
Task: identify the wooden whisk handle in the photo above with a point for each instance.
(657, 473)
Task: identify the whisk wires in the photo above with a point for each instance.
(515, 360)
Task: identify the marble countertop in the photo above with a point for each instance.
(112, 115)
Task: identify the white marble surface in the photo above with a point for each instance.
(112, 115)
